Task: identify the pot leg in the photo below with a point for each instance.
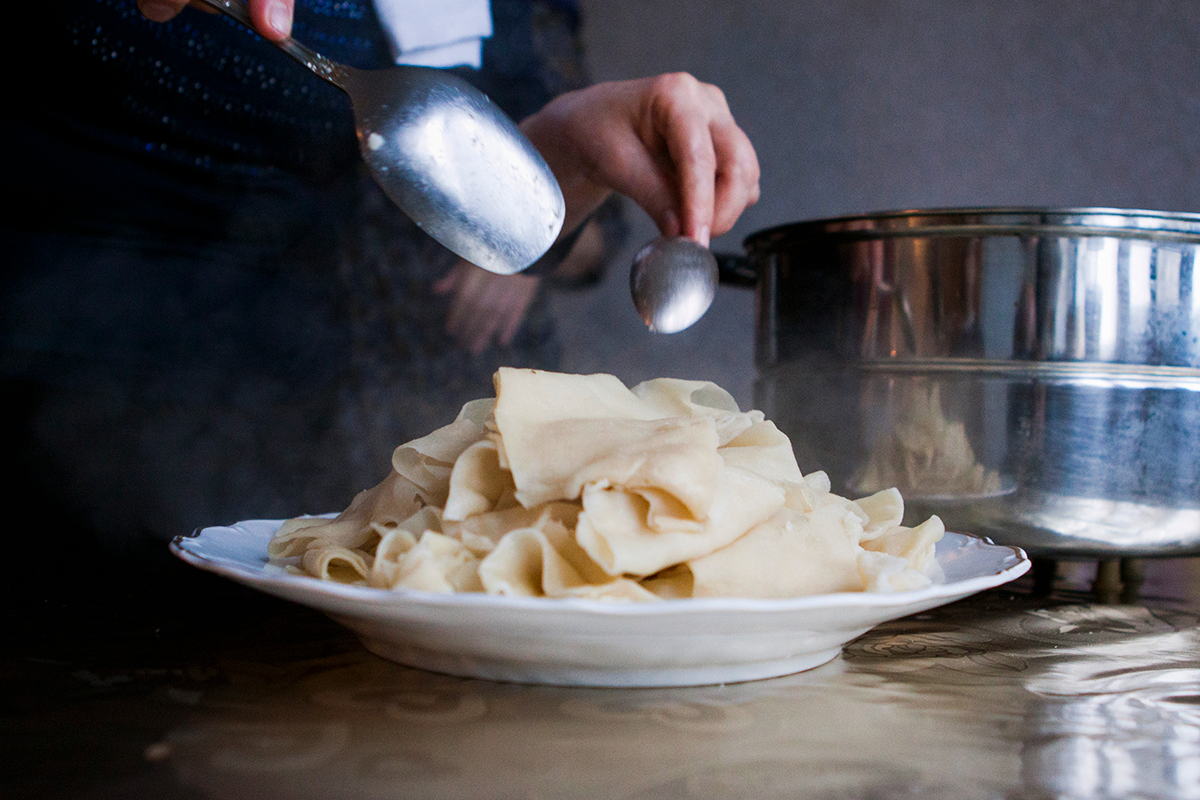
(1133, 575)
(1045, 570)
(1107, 586)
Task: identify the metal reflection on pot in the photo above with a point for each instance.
(1032, 375)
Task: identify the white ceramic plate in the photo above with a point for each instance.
(596, 643)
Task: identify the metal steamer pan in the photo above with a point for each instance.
(1030, 375)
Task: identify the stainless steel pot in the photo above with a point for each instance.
(1032, 375)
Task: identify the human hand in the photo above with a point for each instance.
(484, 306)
(272, 18)
(669, 143)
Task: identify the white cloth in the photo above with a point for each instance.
(436, 33)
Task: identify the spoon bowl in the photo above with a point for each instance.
(673, 282)
(447, 156)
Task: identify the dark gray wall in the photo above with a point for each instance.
(867, 105)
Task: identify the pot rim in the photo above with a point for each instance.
(982, 221)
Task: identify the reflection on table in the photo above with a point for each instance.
(1006, 694)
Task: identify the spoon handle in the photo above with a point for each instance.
(332, 71)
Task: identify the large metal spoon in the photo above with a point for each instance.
(447, 156)
(673, 282)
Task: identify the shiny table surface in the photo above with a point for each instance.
(186, 685)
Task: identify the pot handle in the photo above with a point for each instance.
(735, 269)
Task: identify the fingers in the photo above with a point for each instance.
(681, 111)
(737, 176)
(647, 177)
(161, 10)
(467, 321)
(717, 167)
(271, 18)
(651, 184)
(484, 307)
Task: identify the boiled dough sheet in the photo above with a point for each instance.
(576, 486)
(560, 432)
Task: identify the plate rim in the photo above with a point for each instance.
(1015, 563)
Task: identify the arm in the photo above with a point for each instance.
(669, 143)
(272, 18)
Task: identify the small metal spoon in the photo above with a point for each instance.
(673, 282)
(447, 156)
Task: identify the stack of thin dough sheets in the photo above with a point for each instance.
(577, 486)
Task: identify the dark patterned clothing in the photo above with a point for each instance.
(208, 313)
(187, 116)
